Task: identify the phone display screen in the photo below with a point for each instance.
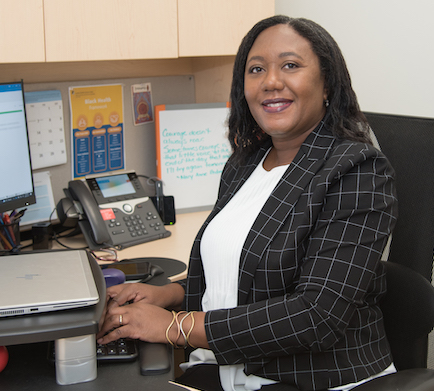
(115, 185)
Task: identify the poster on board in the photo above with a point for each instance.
(192, 149)
(97, 129)
(141, 96)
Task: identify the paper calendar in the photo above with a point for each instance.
(44, 111)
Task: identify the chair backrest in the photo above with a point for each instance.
(408, 143)
(408, 310)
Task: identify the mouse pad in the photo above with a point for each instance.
(171, 267)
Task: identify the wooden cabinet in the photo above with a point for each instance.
(21, 31)
(83, 30)
(216, 27)
(98, 30)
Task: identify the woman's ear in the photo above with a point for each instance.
(326, 94)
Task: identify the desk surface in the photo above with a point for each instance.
(176, 246)
(29, 370)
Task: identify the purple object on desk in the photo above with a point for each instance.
(113, 276)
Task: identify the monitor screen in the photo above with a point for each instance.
(17, 188)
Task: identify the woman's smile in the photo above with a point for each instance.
(276, 105)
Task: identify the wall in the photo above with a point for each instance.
(387, 46)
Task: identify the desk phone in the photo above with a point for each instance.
(114, 211)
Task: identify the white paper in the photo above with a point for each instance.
(41, 211)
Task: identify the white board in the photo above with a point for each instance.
(192, 149)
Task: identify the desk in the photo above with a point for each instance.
(176, 246)
(28, 368)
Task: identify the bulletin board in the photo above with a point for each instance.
(140, 153)
(192, 149)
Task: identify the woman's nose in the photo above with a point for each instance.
(273, 80)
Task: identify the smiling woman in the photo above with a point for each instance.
(285, 276)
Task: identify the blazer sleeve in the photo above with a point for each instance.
(353, 210)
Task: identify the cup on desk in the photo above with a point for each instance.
(10, 236)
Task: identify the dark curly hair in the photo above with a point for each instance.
(343, 116)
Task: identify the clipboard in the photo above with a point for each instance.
(192, 149)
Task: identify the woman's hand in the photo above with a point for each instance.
(138, 320)
(167, 296)
(151, 323)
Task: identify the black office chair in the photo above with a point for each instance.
(408, 306)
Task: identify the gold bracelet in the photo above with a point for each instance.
(168, 328)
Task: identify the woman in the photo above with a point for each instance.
(284, 277)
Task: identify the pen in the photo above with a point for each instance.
(7, 234)
(5, 242)
(20, 214)
(7, 221)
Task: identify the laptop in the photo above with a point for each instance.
(43, 282)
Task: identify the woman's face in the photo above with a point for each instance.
(283, 84)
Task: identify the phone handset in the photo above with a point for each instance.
(81, 193)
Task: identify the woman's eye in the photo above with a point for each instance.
(290, 65)
(255, 69)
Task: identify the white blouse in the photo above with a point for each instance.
(223, 239)
(220, 249)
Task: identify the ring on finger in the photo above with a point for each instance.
(120, 321)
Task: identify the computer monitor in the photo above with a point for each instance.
(16, 181)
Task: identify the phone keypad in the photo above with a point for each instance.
(135, 225)
(140, 226)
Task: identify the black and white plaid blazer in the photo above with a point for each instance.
(309, 276)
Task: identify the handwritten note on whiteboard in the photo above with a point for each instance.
(192, 149)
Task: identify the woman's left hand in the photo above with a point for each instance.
(138, 320)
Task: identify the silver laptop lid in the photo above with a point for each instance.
(41, 282)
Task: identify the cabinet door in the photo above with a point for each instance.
(21, 31)
(83, 30)
(216, 28)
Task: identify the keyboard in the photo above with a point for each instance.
(121, 350)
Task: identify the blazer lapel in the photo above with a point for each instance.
(309, 160)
